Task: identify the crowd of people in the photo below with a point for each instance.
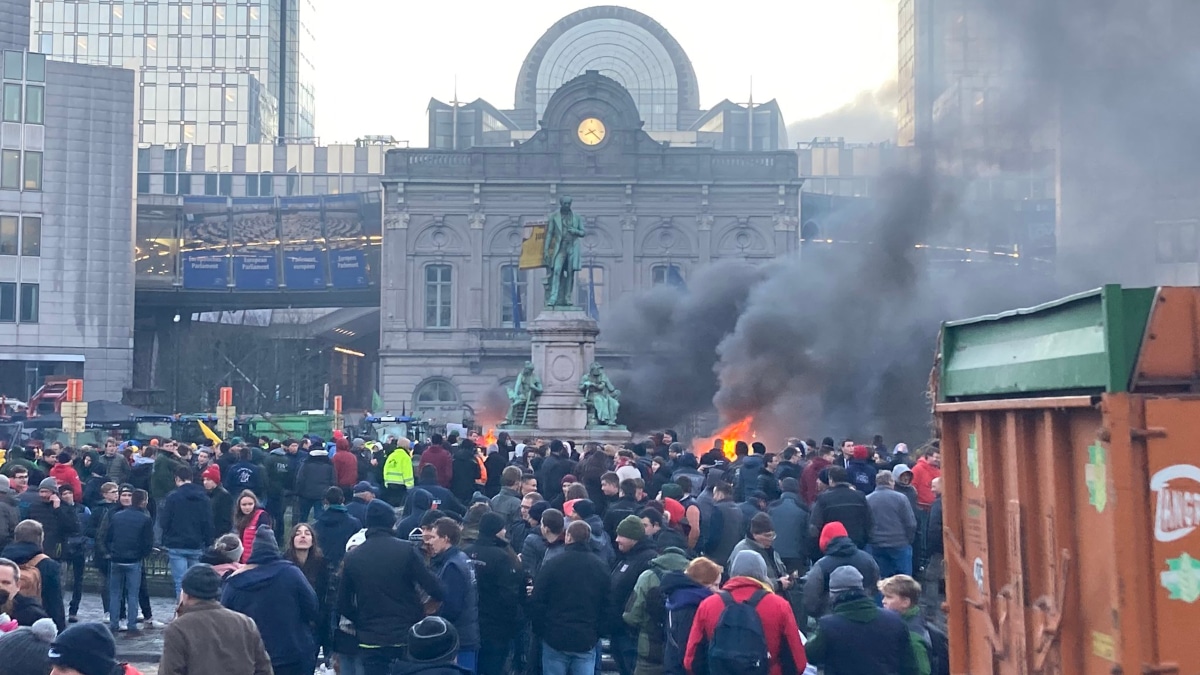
(459, 556)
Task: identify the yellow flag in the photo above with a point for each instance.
(531, 247)
(208, 433)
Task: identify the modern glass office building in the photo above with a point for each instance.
(223, 71)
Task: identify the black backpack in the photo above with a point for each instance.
(739, 646)
(939, 651)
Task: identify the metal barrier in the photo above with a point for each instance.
(158, 574)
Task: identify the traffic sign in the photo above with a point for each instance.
(226, 414)
(226, 397)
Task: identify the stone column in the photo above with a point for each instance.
(564, 346)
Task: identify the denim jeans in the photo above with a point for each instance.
(622, 645)
(892, 561)
(180, 559)
(468, 659)
(126, 577)
(555, 662)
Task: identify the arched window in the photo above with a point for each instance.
(437, 399)
(436, 392)
(667, 273)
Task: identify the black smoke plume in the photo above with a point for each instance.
(841, 339)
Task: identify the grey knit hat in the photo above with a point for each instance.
(26, 650)
(845, 578)
(749, 564)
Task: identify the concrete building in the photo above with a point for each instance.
(66, 220)
(637, 52)
(453, 302)
(212, 72)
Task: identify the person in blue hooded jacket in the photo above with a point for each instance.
(274, 593)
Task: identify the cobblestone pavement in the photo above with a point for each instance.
(141, 650)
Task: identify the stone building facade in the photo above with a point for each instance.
(454, 222)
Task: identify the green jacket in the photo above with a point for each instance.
(848, 640)
(276, 466)
(638, 614)
(162, 478)
(919, 636)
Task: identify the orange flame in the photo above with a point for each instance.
(489, 438)
(738, 431)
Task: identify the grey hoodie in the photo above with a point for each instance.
(893, 524)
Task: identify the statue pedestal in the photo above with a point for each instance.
(564, 347)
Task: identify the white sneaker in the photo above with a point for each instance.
(105, 619)
(153, 623)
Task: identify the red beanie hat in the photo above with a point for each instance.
(830, 532)
(213, 473)
(675, 509)
(861, 452)
(569, 506)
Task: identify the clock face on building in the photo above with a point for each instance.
(591, 131)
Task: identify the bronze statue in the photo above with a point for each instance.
(600, 397)
(560, 254)
(521, 397)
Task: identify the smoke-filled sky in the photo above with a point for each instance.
(843, 342)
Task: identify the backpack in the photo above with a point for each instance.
(739, 646)
(939, 651)
(31, 577)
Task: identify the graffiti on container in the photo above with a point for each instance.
(978, 574)
(973, 460)
(1177, 501)
(1096, 475)
(1182, 578)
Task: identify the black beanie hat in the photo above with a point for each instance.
(432, 640)
(265, 549)
(380, 515)
(585, 508)
(490, 524)
(201, 582)
(86, 647)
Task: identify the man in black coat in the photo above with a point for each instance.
(842, 503)
(571, 602)
(636, 550)
(500, 581)
(58, 521)
(335, 526)
(379, 590)
(839, 551)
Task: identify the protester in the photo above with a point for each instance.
(86, 649)
(749, 584)
(499, 579)
(682, 595)
(26, 650)
(902, 595)
(460, 605)
(219, 499)
(250, 516)
(379, 590)
(646, 610)
(858, 637)
(839, 550)
(187, 524)
(570, 605)
(433, 648)
(40, 576)
(274, 593)
(208, 638)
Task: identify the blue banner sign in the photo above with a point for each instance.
(205, 270)
(348, 269)
(254, 272)
(304, 270)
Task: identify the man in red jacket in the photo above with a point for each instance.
(439, 458)
(808, 478)
(926, 469)
(749, 574)
(345, 465)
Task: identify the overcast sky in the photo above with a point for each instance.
(380, 61)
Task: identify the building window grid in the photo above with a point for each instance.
(439, 288)
(510, 274)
